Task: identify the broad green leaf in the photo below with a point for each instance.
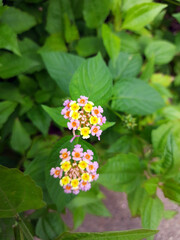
(92, 79)
(18, 193)
(6, 225)
(18, 20)
(27, 85)
(71, 30)
(20, 139)
(148, 70)
(98, 208)
(50, 226)
(138, 234)
(162, 79)
(61, 67)
(6, 109)
(162, 51)
(168, 156)
(111, 42)
(55, 114)
(8, 39)
(56, 192)
(121, 173)
(136, 97)
(88, 46)
(140, 15)
(107, 125)
(177, 16)
(43, 96)
(151, 185)
(126, 65)
(129, 3)
(168, 214)
(55, 42)
(40, 119)
(8, 91)
(129, 43)
(171, 190)
(152, 213)
(78, 217)
(94, 13)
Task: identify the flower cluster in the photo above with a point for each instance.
(77, 170)
(83, 116)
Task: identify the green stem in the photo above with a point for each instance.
(24, 228)
(117, 114)
(173, 2)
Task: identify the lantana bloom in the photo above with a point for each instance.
(83, 117)
(76, 173)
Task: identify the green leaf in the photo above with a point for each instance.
(40, 119)
(6, 109)
(61, 67)
(54, 42)
(71, 31)
(18, 193)
(126, 65)
(92, 79)
(111, 42)
(8, 91)
(140, 15)
(56, 192)
(177, 16)
(151, 213)
(136, 97)
(88, 46)
(138, 234)
(129, 44)
(151, 185)
(98, 208)
(18, 20)
(94, 13)
(78, 216)
(148, 70)
(20, 140)
(129, 3)
(50, 226)
(8, 39)
(171, 190)
(168, 156)
(107, 125)
(121, 173)
(162, 51)
(168, 214)
(55, 114)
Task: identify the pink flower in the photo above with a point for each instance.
(92, 167)
(67, 188)
(65, 155)
(102, 120)
(66, 113)
(67, 103)
(85, 186)
(77, 154)
(56, 172)
(95, 130)
(94, 176)
(82, 101)
(88, 155)
(73, 124)
(79, 147)
(97, 111)
(76, 191)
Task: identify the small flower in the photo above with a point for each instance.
(76, 191)
(94, 176)
(66, 166)
(67, 188)
(64, 181)
(79, 146)
(97, 111)
(74, 124)
(67, 103)
(74, 106)
(65, 155)
(102, 120)
(75, 184)
(85, 177)
(95, 130)
(85, 132)
(92, 167)
(77, 154)
(56, 172)
(74, 115)
(85, 186)
(89, 106)
(82, 101)
(82, 165)
(66, 113)
(88, 155)
(94, 120)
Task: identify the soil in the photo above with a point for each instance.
(121, 218)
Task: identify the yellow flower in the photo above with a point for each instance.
(64, 181)
(85, 177)
(75, 183)
(94, 120)
(85, 132)
(88, 107)
(74, 106)
(74, 115)
(66, 166)
(82, 165)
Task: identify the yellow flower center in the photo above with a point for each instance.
(85, 131)
(94, 120)
(74, 115)
(65, 180)
(82, 165)
(85, 177)
(74, 107)
(66, 166)
(88, 107)
(75, 183)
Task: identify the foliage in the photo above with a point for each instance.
(123, 55)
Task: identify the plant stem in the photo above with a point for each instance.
(24, 228)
